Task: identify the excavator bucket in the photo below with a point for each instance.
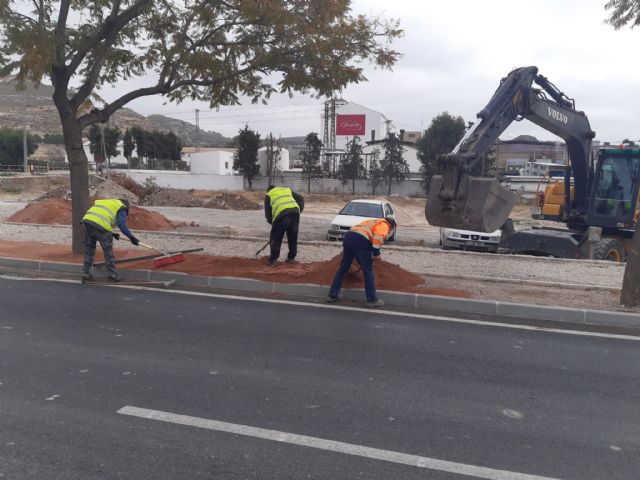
(482, 205)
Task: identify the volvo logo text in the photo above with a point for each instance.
(561, 117)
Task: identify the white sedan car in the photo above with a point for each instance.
(452, 238)
(357, 211)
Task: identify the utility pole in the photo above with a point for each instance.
(197, 130)
(24, 130)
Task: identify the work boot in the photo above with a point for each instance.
(291, 261)
(114, 278)
(331, 299)
(375, 303)
(271, 263)
(87, 277)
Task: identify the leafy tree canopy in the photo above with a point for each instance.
(623, 12)
(442, 136)
(213, 50)
(12, 146)
(245, 159)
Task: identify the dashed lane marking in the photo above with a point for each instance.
(331, 445)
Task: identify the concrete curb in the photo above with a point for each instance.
(412, 300)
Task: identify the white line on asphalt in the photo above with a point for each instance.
(363, 310)
(331, 445)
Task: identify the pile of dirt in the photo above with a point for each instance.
(63, 192)
(232, 201)
(388, 275)
(110, 189)
(56, 211)
(171, 197)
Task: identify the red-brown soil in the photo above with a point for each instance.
(58, 211)
(388, 275)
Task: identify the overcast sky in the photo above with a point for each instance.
(454, 55)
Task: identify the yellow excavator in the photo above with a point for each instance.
(597, 199)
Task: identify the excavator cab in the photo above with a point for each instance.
(614, 194)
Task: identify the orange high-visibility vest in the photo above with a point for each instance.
(376, 231)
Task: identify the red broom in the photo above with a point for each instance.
(166, 258)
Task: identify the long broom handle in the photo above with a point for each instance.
(149, 247)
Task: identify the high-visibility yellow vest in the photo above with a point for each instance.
(103, 213)
(280, 199)
(376, 231)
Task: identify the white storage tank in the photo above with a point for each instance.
(283, 161)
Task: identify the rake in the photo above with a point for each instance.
(166, 258)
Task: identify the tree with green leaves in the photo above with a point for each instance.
(352, 165)
(442, 136)
(311, 158)
(103, 143)
(375, 172)
(623, 13)
(12, 146)
(215, 51)
(395, 168)
(245, 158)
(128, 146)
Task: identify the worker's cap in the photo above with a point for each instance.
(126, 204)
(391, 221)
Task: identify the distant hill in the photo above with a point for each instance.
(41, 116)
(187, 132)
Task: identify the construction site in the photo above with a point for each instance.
(226, 229)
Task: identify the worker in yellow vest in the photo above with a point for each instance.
(98, 224)
(282, 209)
(363, 242)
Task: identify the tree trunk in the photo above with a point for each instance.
(308, 184)
(79, 179)
(389, 189)
(630, 296)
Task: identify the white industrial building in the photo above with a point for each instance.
(343, 120)
(213, 162)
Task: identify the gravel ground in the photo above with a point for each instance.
(523, 279)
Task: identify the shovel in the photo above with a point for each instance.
(263, 247)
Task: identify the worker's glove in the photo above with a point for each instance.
(134, 240)
(116, 236)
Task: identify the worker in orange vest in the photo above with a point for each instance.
(363, 242)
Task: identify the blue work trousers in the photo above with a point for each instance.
(364, 258)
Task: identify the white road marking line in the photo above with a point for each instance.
(331, 445)
(366, 310)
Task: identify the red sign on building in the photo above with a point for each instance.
(350, 125)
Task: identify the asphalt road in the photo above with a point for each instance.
(365, 390)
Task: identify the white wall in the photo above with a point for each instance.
(410, 155)
(212, 162)
(187, 180)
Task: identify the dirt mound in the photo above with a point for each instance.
(110, 189)
(388, 275)
(63, 192)
(171, 197)
(58, 212)
(232, 201)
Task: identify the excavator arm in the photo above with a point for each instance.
(459, 200)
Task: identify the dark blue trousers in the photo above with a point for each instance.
(92, 236)
(365, 259)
